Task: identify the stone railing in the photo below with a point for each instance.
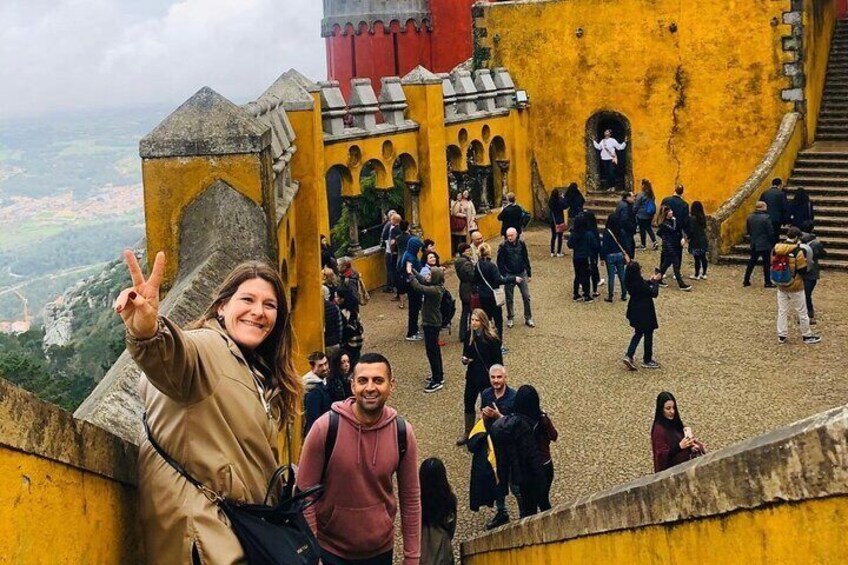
(368, 115)
(778, 498)
(726, 227)
(69, 493)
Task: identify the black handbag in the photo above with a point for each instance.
(269, 535)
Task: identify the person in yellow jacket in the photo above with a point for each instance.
(788, 265)
(215, 398)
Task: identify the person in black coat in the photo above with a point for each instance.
(585, 246)
(641, 314)
(671, 233)
(481, 350)
(778, 207)
(681, 208)
(487, 279)
(698, 242)
(511, 215)
(761, 232)
(573, 202)
(556, 210)
(628, 223)
(523, 463)
(801, 209)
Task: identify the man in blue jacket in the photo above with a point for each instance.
(778, 207)
(495, 402)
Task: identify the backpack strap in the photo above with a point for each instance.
(333, 432)
(330, 442)
(401, 437)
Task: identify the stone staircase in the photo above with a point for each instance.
(602, 204)
(823, 168)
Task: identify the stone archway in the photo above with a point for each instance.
(620, 126)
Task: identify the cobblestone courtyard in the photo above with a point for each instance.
(719, 355)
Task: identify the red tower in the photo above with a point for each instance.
(378, 38)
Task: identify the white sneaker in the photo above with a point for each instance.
(703, 277)
(602, 282)
(509, 322)
(694, 277)
(553, 255)
(560, 255)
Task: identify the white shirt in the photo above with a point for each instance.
(608, 146)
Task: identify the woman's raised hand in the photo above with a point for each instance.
(138, 305)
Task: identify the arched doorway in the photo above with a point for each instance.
(595, 127)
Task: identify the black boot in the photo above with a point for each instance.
(498, 520)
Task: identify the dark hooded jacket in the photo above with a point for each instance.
(641, 312)
(519, 460)
(413, 250)
(431, 312)
(465, 272)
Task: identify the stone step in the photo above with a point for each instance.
(821, 155)
(838, 244)
(821, 190)
(824, 136)
(813, 164)
(822, 171)
(806, 181)
(827, 263)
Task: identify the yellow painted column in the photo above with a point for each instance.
(423, 91)
(311, 219)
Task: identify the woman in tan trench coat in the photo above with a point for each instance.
(216, 397)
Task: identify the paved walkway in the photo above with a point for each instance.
(718, 349)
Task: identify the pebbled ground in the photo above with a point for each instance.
(719, 355)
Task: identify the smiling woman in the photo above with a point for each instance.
(215, 397)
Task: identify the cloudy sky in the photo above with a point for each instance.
(57, 55)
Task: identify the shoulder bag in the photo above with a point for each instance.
(269, 535)
(499, 293)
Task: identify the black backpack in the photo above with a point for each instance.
(333, 432)
(448, 309)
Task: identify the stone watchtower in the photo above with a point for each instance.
(376, 38)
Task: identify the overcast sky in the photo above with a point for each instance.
(57, 55)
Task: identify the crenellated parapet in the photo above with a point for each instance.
(342, 17)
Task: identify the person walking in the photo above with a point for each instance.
(614, 256)
(788, 267)
(777, 204)
(594, 272)
(496, 402)
(511, 215)
(698, 243)
(488, 280)
(680, 208)
(584, 246)
(438, 513)
(465, 271)
(524, 462)
(801, 210)
(761, 235)
(480, 352)
(609, 148)
(411, 262)
(216, 398)
(556, 212)
(645, 208)
(574, 202)
(316, 400)
(642, 315)
(462, 219)
(671, 442)
(514, 260)
(628, 223)
(355, 462)
(431, 287)
(671, 233)
(815, 252)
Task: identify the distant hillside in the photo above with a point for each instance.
(70, 201)
(81, 339)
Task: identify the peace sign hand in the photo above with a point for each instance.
(138, 305)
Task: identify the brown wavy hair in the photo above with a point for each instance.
(274, 355)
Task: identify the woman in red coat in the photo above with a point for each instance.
(671, 443)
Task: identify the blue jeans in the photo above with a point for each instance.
(615, 264)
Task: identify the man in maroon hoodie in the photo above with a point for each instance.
(354, 519)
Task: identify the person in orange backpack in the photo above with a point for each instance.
(788, 265)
